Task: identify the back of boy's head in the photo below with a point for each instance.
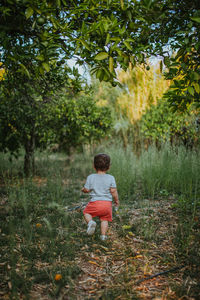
(102, 162)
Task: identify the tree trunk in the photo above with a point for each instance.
(124, 139)
(29, 161)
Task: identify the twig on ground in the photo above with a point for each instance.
(159, 274)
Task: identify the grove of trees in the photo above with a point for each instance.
(43, 100)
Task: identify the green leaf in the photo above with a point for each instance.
(197, 46)
(106, 25)
(130, 40)
(107, 39)
(33, 25)
(99, 73)
(166, 61)
(38, 10)
(41, 70)
(126, 226)
(129, 14)
(45, 44)
(196, 76)
(115, 39)
(29, 12)
(25, 69)
(180, 52)
(101, 56)
(106, 71)
(197, 87)
(122, 30)
(111, 61)
(46, 66)
(196, 19)
(40, 57)
(191, 90)
(127, 45)
(58, 3)
(85, 44)
(161, 66)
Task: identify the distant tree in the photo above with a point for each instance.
(160, 124)
(79, 120)
(26, 106)
(59, 115)
(141, 88)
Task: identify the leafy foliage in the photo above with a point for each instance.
(38, 36)
(141, 88)
(104, 34)
(161, 124)
(36, 113)
(79, 120)
(25, 104)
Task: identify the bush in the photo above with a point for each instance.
(160, 124)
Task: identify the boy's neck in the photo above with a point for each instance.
(101, 172)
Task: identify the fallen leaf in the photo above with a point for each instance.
(138, 256)
(93, 262)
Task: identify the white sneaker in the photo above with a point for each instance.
(91, 227)
(103, 237)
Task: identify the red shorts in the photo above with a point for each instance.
(101, 209)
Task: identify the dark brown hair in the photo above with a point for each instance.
(102, 162)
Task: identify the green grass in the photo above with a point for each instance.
(38, 235)
(156, 172)
(40, 239)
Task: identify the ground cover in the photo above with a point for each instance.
(152, 253)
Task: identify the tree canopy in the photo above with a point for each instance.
(105, 34)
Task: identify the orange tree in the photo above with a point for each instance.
(25, 103)
(47, 110)
(79, 120)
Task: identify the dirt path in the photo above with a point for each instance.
(113, 269)
(141, 244)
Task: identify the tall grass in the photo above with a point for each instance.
(40, 240)
(123, 167)
(156, 172)
(163, 174)
(37, 234)
(173, 171)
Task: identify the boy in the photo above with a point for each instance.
(102, 188)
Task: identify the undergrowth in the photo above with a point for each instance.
(41, 235)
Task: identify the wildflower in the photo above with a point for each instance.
(58, 277)
(38, 225)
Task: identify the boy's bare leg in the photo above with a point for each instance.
(87, 217)
(91, 225)
(104, 227)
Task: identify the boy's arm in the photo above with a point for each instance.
(84, 190)
(86, 186)
(114, 193)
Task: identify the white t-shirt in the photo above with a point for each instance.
(99, 186)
